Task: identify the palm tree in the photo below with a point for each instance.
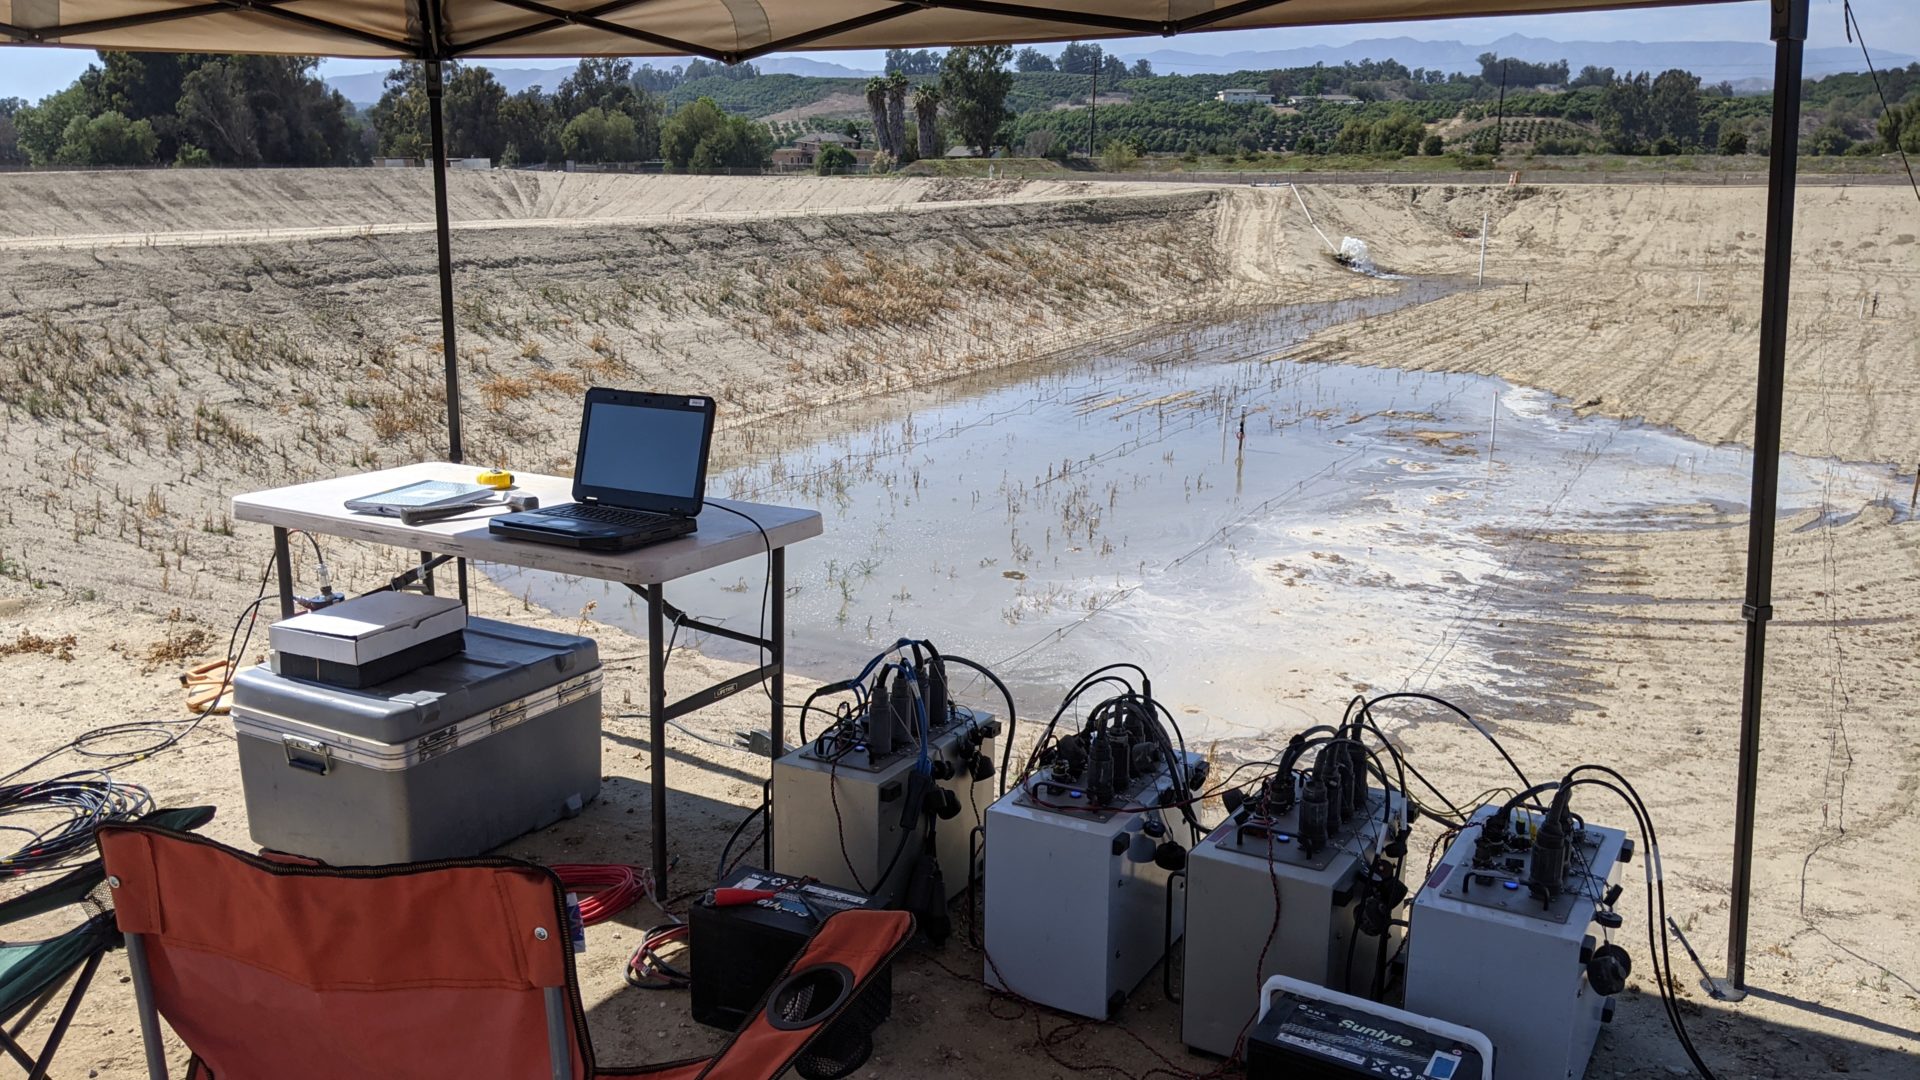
(897, 113)
(926, 114)
(877, 108)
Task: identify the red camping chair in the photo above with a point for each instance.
(460, 969)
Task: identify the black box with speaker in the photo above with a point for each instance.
(740, 944)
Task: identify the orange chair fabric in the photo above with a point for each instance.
(272, 971)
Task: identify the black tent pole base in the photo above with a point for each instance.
(1789, 33)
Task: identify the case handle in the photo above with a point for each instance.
(310, 754)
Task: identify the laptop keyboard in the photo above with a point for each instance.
(610, 515)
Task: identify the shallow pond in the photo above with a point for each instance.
(1265, 536)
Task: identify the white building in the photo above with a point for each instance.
(1244, 97)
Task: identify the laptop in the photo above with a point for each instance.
(639, 478)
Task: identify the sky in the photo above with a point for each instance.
(1890, 26)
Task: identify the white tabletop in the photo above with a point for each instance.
(320, 507)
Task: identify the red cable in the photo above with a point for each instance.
(605, 889)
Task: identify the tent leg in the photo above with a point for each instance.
(449, 353)
(1789, 36)
(435, 108)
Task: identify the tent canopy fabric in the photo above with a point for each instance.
(725, 30)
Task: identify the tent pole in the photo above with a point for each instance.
(435, 109)
(1789, 36)
(455, 452)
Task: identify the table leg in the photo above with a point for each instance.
(426, 575)
(657, 732)
(460, 568)
(283, 567)
(777, 686)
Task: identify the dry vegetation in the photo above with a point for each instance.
(142, 383)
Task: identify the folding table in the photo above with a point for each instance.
(319, 508)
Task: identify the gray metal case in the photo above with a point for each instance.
(1492, 958)
(449, 760)
(1076, 906)
(1232, 882)
(837, 822)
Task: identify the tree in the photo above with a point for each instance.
(1142, 69)
(1032, 59)
(877, 110)
(528, 125)
(926, 118)
(598, 135)
(833, 160)
(1398, 134)
(1516, 73)
(700, 137)
(473, 102)
(1079, 58)
(1433, 146)
(658, 80)
(1355, 137)
(897, 86)
(912, 61)
(1118, 155)
(1733, 141)
(400, 116)
(1112, 70)
(107, 139)
(974, 81)
(1625, 114)
(1828, 140)
(10, 152)
(1041, 143)
(40, 128)
(213, 109)
(1673, 106)
(1899, 127)
(609, 85)
(1599, 77)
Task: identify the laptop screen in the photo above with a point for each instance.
(644, 455)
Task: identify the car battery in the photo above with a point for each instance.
(1491, 950)
(1081, 898)
(1258, 894)
(1307, 1031)
(449, 760)
(739, 950)
(840, 811)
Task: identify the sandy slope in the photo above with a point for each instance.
(144, 385)
(91, 209)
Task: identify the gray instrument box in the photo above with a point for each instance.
(1232, 877)
(839, 818)
(449, 760)
(1077, 908)
(1486, 953)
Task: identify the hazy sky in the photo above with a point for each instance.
(1890, 25)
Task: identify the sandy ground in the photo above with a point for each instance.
(145, 384)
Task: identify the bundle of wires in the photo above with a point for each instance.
(646, 970)
(78, 802)
(604, 889)
(1134, 714)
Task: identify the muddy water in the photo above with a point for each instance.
(1265, 536)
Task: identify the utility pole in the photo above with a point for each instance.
(1093, 111)
(1500, 111)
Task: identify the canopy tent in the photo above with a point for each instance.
(725, 30)
(732, 31)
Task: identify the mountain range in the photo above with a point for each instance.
(1746, 64)
(1713, 61)
(364, 89)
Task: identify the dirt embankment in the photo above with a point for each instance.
(140, 386)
